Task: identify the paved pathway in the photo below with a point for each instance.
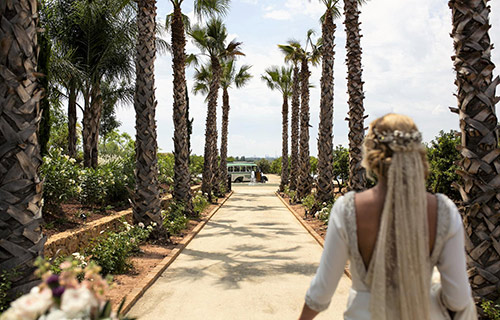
(253, 260)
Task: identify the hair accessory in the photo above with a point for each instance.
(398, 140)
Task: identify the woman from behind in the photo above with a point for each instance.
(393, 235)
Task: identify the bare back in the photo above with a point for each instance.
(368, 206)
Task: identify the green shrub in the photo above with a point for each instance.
(112, 249)
(166, 168)
(60, 175)
(276, 166)
(442, 154)
(309, 202)
(264, 165)
(324, 213)
(174, 218)
(6, 277)
(200, 202)
(491, 309)
(196, 167)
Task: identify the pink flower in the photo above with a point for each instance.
(78, 302)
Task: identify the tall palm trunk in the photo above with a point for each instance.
(95, 123)
(223, 144)
(357, 179)
(304, 183)
(210, 154)
(146, 201)
(284, 149)
(325, 132)
(86, 132)
(478, 123)
(294, 153)
(21, 239)
(72, 119)
(182, 190)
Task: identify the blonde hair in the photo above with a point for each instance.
(400, 271)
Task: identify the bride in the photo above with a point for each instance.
(393, 235)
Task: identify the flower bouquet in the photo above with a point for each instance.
(64, 296)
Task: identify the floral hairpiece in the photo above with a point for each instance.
(398, 140)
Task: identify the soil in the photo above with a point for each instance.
(318, 225)
(69, 216)
(151, 254)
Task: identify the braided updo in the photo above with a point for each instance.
(387, 135)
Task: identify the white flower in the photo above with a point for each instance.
(31, 305)
(66, 157)
(79, 189)
(71, 160)
(141, 225)
(55, 314)
(78, 302)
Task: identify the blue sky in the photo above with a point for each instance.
(406, 61)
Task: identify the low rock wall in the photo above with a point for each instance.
(68, 242)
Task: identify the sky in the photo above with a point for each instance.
(407, 68)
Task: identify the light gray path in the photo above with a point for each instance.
(253, 260)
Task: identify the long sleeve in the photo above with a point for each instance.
(333, 260)
(456, 291)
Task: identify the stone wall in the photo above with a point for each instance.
(72, 241)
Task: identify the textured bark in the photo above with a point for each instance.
(224, 132)
(304, 182)
(294, 152)
(356, 117)
(86, 132)
(284, 150)
(325, 131)
(21, 239)
(72, 120)
(95, 123)
(480, 166)
(210, 154)
(182, 177)
(146, 200)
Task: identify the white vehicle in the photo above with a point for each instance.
(242, 172)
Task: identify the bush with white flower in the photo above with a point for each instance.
(324, 213)
(60, 176)
(63, 296)
(111, 250)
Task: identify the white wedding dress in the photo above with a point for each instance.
(341, 245)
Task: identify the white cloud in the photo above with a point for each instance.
(406, 61)
(278, 15)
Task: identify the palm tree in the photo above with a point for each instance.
(146, 200)
(21, 239)
(304, 180)
(178, 24)
(182, 177)
(211, 41)
(356, 117)
(292, 54)
(325, 131)
(104, 48)
(230, 76)
(280, 79)
(478, 122)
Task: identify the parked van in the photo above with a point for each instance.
(242, 172)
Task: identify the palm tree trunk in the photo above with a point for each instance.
(86, 131)
(325, 132)
(210, 154)
(304, 183)
(284, 150)
(478, 123)
(224, 133)
(72, 120)
(182, 190)
(21, 239)
(294, 154)
(95, 123)
(356, 117)
(146, 200)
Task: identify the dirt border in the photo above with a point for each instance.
(154, 274)
(309, 229)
